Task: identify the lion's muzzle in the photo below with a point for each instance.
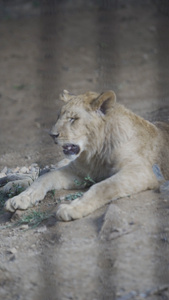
(71, 149)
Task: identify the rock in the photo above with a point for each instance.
(24, 227)
(164, 188)
(41, 229)
(12, 251)
(115, 223)
(24, 170)
(2, 175)
(9, 171)
(5, 169)
(16, 170)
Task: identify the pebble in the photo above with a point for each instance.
(9, 171)
(12, 251)
(4, 171)
(24, 170)
(16, 170)
(24, 226)
(2, 175)
(41, 229)
(34, 165)
(62, 198)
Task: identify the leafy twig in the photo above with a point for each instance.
(87, 182)
(33, 219)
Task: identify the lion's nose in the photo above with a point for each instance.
(54, 135)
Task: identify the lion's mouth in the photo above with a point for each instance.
(70, 149)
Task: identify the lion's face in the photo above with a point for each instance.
(80, 121)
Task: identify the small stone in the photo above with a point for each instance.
(9, 171)
(41, 229)
(62, 198)
(34, 165)
(5, 169)
(24, 227)
(52, 166)
(12, 251)
(2, 175)
(16, 170)
(24, 170)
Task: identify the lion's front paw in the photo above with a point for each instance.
(68, 212)
(18, 202)
(24, 200)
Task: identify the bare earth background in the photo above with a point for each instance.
(122, 250)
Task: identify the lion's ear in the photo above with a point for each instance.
(65, 96)
(105, 101)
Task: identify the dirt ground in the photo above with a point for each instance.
(122, 250)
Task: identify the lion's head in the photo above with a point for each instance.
(81, 121)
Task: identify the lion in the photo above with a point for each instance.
(106, 141)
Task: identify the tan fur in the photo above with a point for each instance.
(117, 150)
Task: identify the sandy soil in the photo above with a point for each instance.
(121, 251)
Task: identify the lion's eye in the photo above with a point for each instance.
(71, 120)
